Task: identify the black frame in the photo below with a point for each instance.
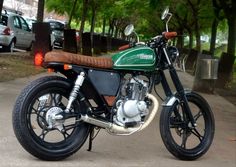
(89, 91)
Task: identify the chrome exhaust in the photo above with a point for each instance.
(116, 129)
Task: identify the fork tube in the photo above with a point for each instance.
(180, 90)
(165, 84)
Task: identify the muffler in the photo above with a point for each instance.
(116, 129)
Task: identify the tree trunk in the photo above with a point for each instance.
(104, 26)
(227, 60)
(180, 40)
(190, 45)
(84, 14)
(225, 70)
(83, 18)
(112, 30)
(198, 37)
(1, 4)
(116, 32)
(93, 21)
(231, 35)
(40, 11)
(213, 35)
(92, 24)
(71, 14)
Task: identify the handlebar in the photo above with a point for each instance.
(153, 43)
(124, 47)
(169, 35)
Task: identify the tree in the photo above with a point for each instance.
(72, 13)
(40, 12)
(60, 7)
(229, 8)
(1, 5)
(214, 26)
(227, 60)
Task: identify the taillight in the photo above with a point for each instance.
(38, 59)
(7, 31)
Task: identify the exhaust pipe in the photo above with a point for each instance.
(116, 129)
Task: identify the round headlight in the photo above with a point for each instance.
(173, 53)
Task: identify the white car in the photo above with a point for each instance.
(15, 32)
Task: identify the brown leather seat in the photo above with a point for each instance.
(71, 58)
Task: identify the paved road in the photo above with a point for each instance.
(141, 149)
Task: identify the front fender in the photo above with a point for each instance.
(169, 101)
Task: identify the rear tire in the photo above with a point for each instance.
(31, 126)
(182, 140)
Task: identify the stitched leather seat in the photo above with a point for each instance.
(71, 58)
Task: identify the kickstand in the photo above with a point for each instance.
(92, 136)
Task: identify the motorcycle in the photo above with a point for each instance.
(54, 115)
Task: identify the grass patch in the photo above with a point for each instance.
(17, 65)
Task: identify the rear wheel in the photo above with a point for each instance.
(36, 126)
(180, 138)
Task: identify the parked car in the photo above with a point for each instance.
(57, 28)
(30, 21)
(15, 32)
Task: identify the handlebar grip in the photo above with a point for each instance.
(169, 35)
(124, 47)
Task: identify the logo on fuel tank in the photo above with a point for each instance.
(145, 57)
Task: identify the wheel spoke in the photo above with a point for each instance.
(56, 98)
(64, 133)
(198, 115)
(197, 134)
(68, 127)
(35, 111)
(39, 116)
(43, 134)
(184, 139)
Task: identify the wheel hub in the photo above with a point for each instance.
(54, 119)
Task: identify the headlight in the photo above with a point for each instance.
(173, 53)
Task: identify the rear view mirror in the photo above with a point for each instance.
(129, 29)
(165, 13)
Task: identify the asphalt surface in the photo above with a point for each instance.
(141, 149)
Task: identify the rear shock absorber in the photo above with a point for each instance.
(74, 93)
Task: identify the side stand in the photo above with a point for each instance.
(92, 135)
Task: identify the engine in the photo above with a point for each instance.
(132, 107)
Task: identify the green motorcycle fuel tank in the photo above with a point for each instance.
(139, 58)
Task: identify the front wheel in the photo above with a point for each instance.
(180, 138)
(36, 121)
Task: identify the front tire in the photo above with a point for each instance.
(31, 113)
(182, 140)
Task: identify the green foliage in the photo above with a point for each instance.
(144, 14)
(63, 7)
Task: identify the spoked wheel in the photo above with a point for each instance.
(180, 138)
(40, 123)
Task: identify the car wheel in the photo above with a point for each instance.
(30, 47)
(10, 47)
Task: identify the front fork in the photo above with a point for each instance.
(181, 92)
(179, 88)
